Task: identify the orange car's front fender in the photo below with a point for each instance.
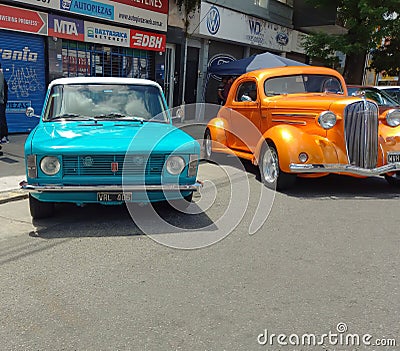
(217, 127)
(389, 141)
(290, 141)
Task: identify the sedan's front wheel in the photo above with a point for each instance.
(271, 175)
(40, 209)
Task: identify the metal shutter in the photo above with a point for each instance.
(23, 62)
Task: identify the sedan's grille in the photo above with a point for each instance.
(361, 131)
(112, 165)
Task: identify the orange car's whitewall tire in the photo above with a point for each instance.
(270, 172)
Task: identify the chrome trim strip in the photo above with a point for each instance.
(302, 123)
(301, 115)
(75, 188)
(340, 168)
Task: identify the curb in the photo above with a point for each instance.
(12, 195)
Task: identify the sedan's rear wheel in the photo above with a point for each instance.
(271, 174)
(40, 209)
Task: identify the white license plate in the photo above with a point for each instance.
(394, 157)
(112, 197)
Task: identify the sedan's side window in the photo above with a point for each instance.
(247, 92)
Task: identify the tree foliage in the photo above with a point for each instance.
(187, 7)
(386, 58)
(366, 22)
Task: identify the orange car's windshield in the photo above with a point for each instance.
(302, 83)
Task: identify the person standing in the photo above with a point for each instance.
(227, 87)
(220, 91)
(3, 105)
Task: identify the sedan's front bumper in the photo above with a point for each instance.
(344, 169)
(108, 188)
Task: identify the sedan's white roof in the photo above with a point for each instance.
(103, 80)
(384, 87)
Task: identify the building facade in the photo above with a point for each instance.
(226, 30)
(44, 40)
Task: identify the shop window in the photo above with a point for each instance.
(85, 59)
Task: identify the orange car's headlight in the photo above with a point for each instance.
(393, 118)
(327, 119)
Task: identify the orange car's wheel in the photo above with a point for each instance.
(207, 145)
(393, 180)
(271, 174)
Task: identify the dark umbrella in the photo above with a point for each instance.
(252, 63)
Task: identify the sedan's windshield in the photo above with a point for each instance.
(122, 102)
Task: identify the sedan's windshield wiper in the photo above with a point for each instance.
(72, 116)
(120, 116)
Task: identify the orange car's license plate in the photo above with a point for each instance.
(111, 197)
(394, 157)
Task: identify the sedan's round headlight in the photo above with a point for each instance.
(50, 165)
(327, 119)
(393, 118)
(175, 165)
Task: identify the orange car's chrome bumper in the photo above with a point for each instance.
(346, 169)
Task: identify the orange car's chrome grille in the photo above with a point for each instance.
(361, 132)
(113, 165)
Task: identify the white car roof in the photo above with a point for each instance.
(387, 86)
(103, 80)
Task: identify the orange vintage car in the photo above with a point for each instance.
(300, 122)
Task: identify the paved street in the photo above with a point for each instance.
(88, 279)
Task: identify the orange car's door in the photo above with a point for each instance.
(245, 117)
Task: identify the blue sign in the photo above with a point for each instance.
(282, 39)
(88, 8)
(217, 60)
(213, 20)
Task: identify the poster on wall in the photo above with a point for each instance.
(22, 20)
(23, 63)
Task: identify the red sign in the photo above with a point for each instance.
(155, 5)
(23, 20)
(147, 41)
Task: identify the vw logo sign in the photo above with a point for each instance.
(213, 20)
(282, 39)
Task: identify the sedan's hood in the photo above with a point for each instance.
(109, 138)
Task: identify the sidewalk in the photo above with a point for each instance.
(12, 168)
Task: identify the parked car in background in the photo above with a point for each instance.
(393, 91)
(384, 100)
(305, 125)
(108, 141)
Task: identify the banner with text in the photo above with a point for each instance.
(149, 15)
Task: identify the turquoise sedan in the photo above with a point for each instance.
(108, 141)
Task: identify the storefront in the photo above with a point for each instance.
(70, 38)
(229, 35)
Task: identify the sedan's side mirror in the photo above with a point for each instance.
(30, 112)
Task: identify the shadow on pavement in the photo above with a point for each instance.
(71, 221)
(334, 186)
